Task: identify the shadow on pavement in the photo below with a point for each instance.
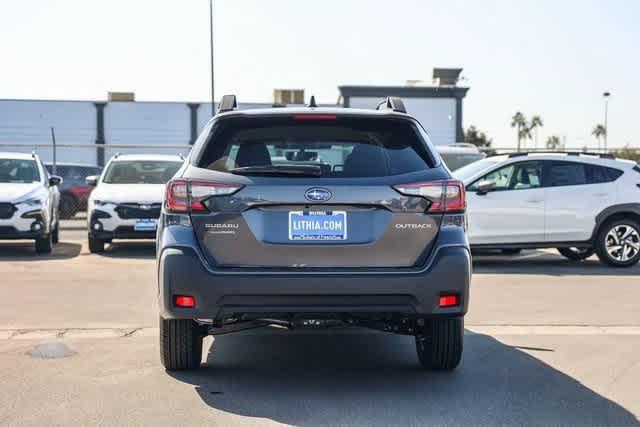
(131, 250)
(314, 379)
(26, 251)
(539, 262)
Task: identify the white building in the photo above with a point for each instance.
(438, 106)
(92, 131)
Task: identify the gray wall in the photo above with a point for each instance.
(25, 125)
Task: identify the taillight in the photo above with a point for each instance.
(445, 195)
(448, 300)
(184, 301)
(188, 196)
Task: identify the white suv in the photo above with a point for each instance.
(127, 199)
(29, 200)
(578, 203)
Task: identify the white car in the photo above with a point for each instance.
(29, 199)
(578, 203)
(127, 199)
(459, 154)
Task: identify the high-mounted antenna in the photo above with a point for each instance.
(392, 103)
(312, 102)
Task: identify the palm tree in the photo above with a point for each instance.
(536, 122)
(599, 132)
(519, 121)
(553, 142)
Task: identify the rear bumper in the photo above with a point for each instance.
(220, 294)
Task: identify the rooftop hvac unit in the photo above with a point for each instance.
(288, 96)
(121, 96)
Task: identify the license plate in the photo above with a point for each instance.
(145, 225)
(310, 225)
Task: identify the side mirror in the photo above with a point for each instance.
(55, 180)
(92, 180)
(486, 186)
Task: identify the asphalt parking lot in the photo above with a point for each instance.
(547, 342)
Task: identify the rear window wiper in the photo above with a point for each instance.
(289, 170)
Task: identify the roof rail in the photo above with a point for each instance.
(568, 153)
(392, 103)
(518, 154)
(228, 103)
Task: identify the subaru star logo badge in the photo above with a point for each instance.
(317, 194)
(145, 207)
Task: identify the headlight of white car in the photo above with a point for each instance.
(103, 203)
(33, 202)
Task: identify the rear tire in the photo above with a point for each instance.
(44, 245)
(440, 345)
(576, 254)
(96, 246)
(606, 245)
(180, 344)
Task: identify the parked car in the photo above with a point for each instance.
(126, 201)
(578, 203)
(460, 154)
(29, 200)
(308, 217)
(74, 191)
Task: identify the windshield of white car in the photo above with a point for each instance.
(18, 171)
(140, 172)
(471, 169)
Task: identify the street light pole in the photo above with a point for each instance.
(606, 96)
(213, 97)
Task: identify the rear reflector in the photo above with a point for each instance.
(188, 196)
(184, 301)
(314, 117)
(445, 195)
(448, 300)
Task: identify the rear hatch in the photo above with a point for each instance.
(314, 191)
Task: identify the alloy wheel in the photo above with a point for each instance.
(622, 242)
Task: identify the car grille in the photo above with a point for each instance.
(6, 210)
(138, 210)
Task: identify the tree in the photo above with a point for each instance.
(553, 142)
(520, 122)
(599, 132)
(477, 138)
(627, 152)
(536, 122)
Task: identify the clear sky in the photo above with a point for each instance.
(551, 58)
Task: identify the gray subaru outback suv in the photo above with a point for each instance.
(310, 217)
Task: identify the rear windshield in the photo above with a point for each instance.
(341, 147)
(140, 172)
